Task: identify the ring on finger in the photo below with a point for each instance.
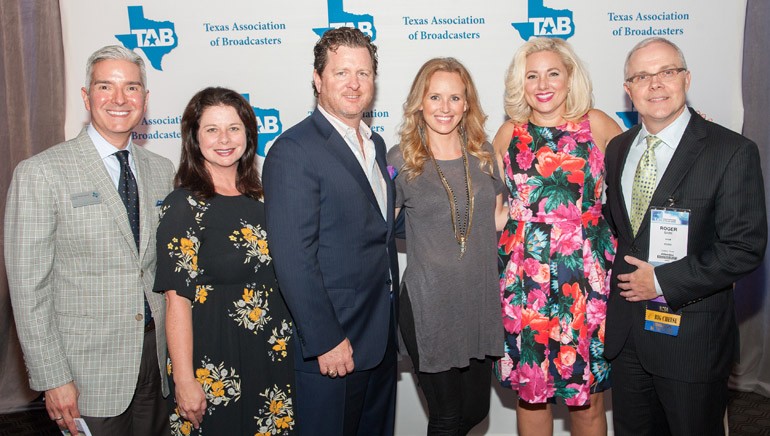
(332, 373)
(59, 418)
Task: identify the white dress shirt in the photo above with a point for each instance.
(107, 152)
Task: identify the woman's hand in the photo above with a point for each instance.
(190, 400)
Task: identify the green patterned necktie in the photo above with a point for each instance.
(644, 183)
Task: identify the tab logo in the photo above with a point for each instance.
(629, 118)
(155, 38)
(544, 21)
(339, 18)
(268, 126)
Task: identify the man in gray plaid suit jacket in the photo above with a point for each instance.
(78, 273)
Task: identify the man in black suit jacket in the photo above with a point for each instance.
(664, 384)
(329, 204)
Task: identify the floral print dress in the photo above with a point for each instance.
(215, 252)
(557, 250)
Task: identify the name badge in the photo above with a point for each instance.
(669, 229)
(85, 198)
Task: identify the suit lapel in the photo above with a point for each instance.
(340, 149)
(390, 186)
(93, 169)
(622, 155)
(690, 146)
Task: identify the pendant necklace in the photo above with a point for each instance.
(461, 227)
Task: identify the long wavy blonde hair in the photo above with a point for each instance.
(580, 96)
(414, 153)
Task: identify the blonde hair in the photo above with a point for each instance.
(579, 97)
(472, 124)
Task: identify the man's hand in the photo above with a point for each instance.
(338, 361)
(640, 284)
(62, 406)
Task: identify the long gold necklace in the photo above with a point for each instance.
(462, 229)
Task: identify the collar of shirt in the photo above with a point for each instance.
(344, 130)
(107, 153)
(367, 159)
(670, 136)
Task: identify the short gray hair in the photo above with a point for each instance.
(114, 52)
(651, 40)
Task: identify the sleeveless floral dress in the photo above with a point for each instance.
(557, 250)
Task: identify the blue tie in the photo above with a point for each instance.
(129, 193)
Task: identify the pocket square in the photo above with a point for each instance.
(392, 172)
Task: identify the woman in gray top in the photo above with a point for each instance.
(448, 185)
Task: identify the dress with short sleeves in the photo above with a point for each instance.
(215, 252)
(558, 250)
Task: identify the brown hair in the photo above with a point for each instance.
(332, 40)
(192, 173)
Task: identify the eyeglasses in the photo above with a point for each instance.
(664, 76)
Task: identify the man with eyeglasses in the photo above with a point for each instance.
(685, 199)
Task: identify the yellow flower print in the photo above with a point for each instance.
(278, 340)
(186, 253)
(251, 310)
(186, 247)
(202, 293)
(248, 234)
(248, 294)
(203, 376)
(280, 345)
(186, 428)
(221, 385)
(276, 406)
(217, 389)
(283, 422)
(267, 433)
(255, 314)
(277, 413)
(179, 425)
(254, 240)
(262, 244)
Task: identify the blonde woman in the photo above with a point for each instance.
(556, 245)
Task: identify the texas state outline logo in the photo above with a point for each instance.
(339, 18)
(269, 126)
(545, 21)
(155, 39)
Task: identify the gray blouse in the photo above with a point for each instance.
(455, 301)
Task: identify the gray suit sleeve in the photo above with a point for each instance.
(30, 227)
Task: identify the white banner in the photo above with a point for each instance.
(264, 50)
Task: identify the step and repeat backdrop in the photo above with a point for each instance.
(263, 49)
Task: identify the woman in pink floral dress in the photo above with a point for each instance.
(556, 245)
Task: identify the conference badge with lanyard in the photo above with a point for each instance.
(668, 243)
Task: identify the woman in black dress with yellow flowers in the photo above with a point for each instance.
(229, 332)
